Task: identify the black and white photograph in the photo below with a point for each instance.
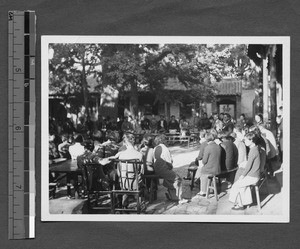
(165, 128)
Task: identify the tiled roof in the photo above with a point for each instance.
(230, 86)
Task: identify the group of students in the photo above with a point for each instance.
(152, 151)
(251, 150)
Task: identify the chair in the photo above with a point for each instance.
(257, 186)
(97, 187)
(129, 174)
(212, 185)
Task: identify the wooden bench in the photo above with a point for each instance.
(178, 138)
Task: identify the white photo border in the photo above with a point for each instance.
(46, 40)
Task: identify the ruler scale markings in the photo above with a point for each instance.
(21, 74)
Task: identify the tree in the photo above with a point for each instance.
(70, 66)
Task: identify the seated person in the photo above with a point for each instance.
(173, 125)
(53, 150)
(127, 170)
(77, 149)
(242, 152)
(163, 168)
(229, 155)
(63, 147)
(198, 161)
(211, 162)
(240, 193)
(148, 157)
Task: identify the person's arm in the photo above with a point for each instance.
(252, 156)
(205, 156)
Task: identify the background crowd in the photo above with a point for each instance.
(225, 144)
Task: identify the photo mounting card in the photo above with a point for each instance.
(108, 99)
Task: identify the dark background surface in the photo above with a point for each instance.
(155, 17)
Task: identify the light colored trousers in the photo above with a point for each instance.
(242, 188)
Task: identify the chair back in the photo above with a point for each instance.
(129, 172)
(94, 177)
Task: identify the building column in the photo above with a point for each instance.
(265, 91)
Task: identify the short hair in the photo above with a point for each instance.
(227, 114)
(252, 137)
(113, 135)
(254, 129)
(214, 133)
(78, 139)
(209, 137)
(89, 145)
(243, 115)
(160, 139)
(172, 116)
(129, 137)
(148, 140)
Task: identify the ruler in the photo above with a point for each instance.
(21, 123)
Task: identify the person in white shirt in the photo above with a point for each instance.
(77, 149)
(163, 167)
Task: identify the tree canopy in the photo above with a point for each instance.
(130, 68)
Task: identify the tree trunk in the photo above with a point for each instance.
(84, 87)
(273, 81)
(134, 101)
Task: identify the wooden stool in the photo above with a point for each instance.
(212, 184)
(192, 171)
(257, 187)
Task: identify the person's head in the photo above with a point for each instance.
(89, 145)
(214, 133)
(202, 136)
(172, 117)
(209, 137)
(242, 116)
(259, 118)
(222, 135)
(254, 129)
(113, 136)
(129, 138)
(215, 116)
(78, 139)
(162, 117)
(245, 130)
(211, 119)
(221, 116)
(160, 139)
(250, 139)
(126, 118)
(204, 115)
(226, 117)
(148, 140)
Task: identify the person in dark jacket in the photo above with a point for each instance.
(211, 162)
(204, 122)
(162, 125)
(173, 124)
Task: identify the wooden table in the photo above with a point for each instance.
(72, 171)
